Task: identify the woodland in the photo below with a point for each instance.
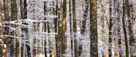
(67, 28)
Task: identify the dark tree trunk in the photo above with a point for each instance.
(45, 10)
(59, 30)
(130, 26)
(64, 27)
(83, 24)
(110, 29)
(93, 29)
(124, 27)
(56, 23)
(70, 16)
(75, 29)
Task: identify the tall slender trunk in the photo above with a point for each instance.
(1, 30)
(130, 29)
(50, 48)
(45, 10)
(124, 27)
(16, 33)
(93, 29)
(55, 22)
(64, 27)
(22, 17)
(110, 28)
(75, 28)
(5, 40)
(132, 39)
(21, 9)
(26, 29)
(12, 33)
(59, 38)
(25, 9)
(70, 16)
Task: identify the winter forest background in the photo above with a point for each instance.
(67, 28)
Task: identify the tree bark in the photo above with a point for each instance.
(12, 33)
(22, 17)
(5, 40)
(93, 29)
(110, 29)
(16, 33)
(59, 38)
(56, 23)
(64, 27)
(83, 24)
(70, 16)
(75, 29)
(45, 10)
(1, 31)
(130, 26)
(124, 27)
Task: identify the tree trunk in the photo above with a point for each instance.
(45, 10)
(110, 29)
(16, 33)
(64, 27)
(1, 31)
(56, 23)
(124, 27)
(50, 43)
(93, 29)
(26, 29)
(59, 38)
(12, 33)
(70, 16)
(75, 29)
(131, 38)
(83, 24)
(25, 9)
(5, 40)
(22, 17)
